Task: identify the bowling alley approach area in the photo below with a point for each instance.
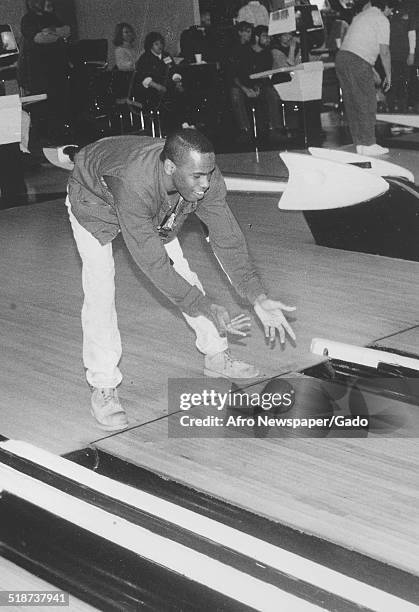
(177, 512)
(309, 503)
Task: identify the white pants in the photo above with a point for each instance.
(101, 339)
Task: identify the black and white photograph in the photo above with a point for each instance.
(209, 304)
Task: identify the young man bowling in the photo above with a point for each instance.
(145, 188)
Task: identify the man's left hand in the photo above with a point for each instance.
(273, 319)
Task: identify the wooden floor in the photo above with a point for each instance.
(362, 493)
(14, 578)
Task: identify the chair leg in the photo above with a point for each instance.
(255, 131)
(158, 123)
(284, 118)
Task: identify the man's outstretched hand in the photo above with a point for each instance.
(273, 319)
(238, 326)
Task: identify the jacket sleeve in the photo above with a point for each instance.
(148, 252)
(228, 242)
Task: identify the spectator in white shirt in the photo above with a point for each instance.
(126, 53)
(367, 38)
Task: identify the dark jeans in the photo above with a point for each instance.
(356, 79)
(397, 96)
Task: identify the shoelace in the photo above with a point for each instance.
(228, 358)
(108, 395)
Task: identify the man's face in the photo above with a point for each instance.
(191, 178)
(264, 40)
(245, 36)
(127, 35)
(388, 11)
(205, 20)
(157, 47)
(285, 39)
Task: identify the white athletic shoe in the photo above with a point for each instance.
(371, 150)
(107, 410)
(222, 365)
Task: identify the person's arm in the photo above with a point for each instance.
(47, 36)
(145, 75)
(386, 61)
(412, 47)
(248, 91)
(227, 240)
(229, 246)
(148, 252)
(279, 58)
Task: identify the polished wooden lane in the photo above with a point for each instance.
(14, 578)
(349, 491)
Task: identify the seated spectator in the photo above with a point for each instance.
(159, 83)
(199, 39)
(125, 51)
(253, 12)
(250, 59)
(286, 50)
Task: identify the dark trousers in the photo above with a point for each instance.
(268, 101)
(397, 96)
(356, 79)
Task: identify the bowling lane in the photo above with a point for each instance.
(352, 492)
(346, 296)
(359, 493)
(403, 342)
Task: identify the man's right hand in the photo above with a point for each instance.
(238, 326)
(386, 84)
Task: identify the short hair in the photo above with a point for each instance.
(381, 4)
(259, 30)
(118, 39)
(183, 141)
(151, 38)
(34, 5)
(244, 25)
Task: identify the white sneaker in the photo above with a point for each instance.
(107, 410)
(371, 150)
(222, 365)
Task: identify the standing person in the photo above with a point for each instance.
(367, 38)
(402, 49)
(412, 8)
(254, 12)
(200, 39)
(125, 51)
(44, 65)
(145, 188)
